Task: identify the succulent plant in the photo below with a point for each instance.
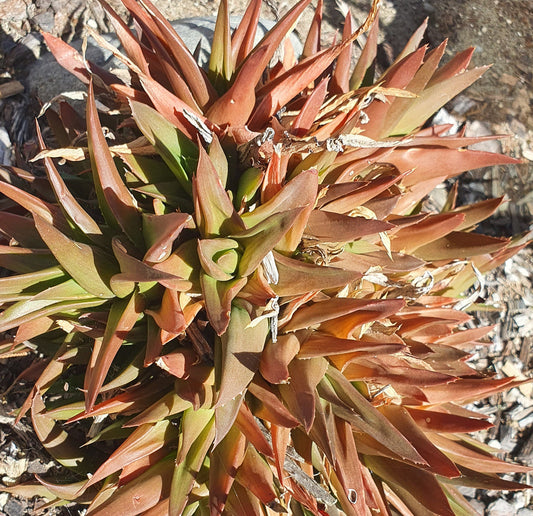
(242, 304)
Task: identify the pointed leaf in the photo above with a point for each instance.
(308, 114)
(433, 98)
(218, 297)
(444, 422)
(160, 232)
(194, 76)
(236, 105)
(340, 81)
(472, 478)
(220, 62)
(337, 307)
(185, 471)
(178, 152)
(143, 441)
(269, 406)
(57, 442)
(242, 39)
(428, 230)
(259, 240)
(300, 393)
(115, 200)
(438, 462)
(297, 277)
(420, 484)
(66, 200)
(366, 61)
(326, 226)
(225, 460)
(475, 460)
(215, 213)
(249, 427)
(88, 265)
(122, 317)
(364, 416)
(241, 349)
(21, 229)
(458, 246)
(50, 213)
(139, 495)
(256, 476)
(319, 345)
(22, 261)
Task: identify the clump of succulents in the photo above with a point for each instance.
(239, 301)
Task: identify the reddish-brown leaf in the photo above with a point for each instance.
(139, 495)
(299, 394)
(248, 426)
(143, 441)
(458, 246)
(340, 80)
(267, 404)
(115, 199)
(225, 460)
(420, 484)
(277, 356)
(122, 317)
(438, 462)
(297, 277)
(336, 308)
(321, 344)
(255, 475)
(445, 422)
(169, 316)
(194, 76)
(326, 226)
(242, 39)
(312, 42)
(467, 456)
(407, 240)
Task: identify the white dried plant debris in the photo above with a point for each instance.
(204, 131)
(270, 268)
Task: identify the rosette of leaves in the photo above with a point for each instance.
(243, 304)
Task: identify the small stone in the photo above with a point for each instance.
(495, 444)
(45, 21)
(39, 467)
(469, 492)
(14, 508)
(524, 511)
(4, 497)
(444, 117)
(500, 508)
(509, 80)
(462, 104)
(527, 153)
(527, 390)
(519, 500)
(33, 43)
(478, 506)
(429, 8)
(478, 128)
(13, 468)
(512, 366)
